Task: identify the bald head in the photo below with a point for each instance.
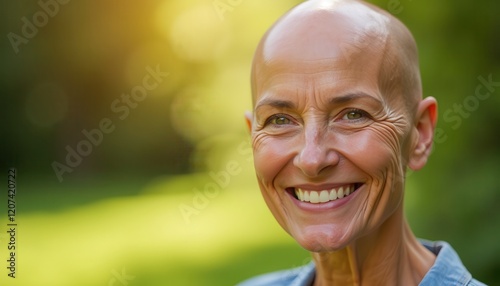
(336, 35)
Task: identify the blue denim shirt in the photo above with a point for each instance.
(447, 270)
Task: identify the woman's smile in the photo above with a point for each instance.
(323, 195)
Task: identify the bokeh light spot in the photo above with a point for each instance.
(198, 35)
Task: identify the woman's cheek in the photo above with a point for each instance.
(270, 155)
(365, 151)
(269, 159)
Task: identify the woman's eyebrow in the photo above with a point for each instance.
(337, 100)
(343, 99)
(277, 103)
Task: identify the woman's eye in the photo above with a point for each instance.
(354, 114)
(279, 120)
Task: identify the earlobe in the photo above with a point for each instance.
(425, 124)
(248, 119)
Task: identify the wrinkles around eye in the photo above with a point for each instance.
(391, 131)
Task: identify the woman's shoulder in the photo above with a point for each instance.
(448, 269)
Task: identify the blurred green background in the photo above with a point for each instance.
(167, 196)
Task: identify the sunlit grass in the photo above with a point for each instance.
(147, 237)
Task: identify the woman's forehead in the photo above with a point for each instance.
(311, 32)
(349, 45)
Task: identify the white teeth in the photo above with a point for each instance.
(324, 197)
(333, 195)
(340, 193)
(316, 197)
(299, 193)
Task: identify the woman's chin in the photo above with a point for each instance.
(321, 240)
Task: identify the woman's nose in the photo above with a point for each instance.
(316, 154)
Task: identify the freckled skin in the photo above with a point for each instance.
(337, 100)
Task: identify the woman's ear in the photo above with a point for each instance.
(248, 119)
(425, 124)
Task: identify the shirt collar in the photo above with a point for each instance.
(447, 269)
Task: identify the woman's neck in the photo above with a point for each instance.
(390, 256)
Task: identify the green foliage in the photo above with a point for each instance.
(92, 52)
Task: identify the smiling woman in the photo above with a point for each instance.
(338, 118)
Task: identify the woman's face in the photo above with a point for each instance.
(330, 149)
